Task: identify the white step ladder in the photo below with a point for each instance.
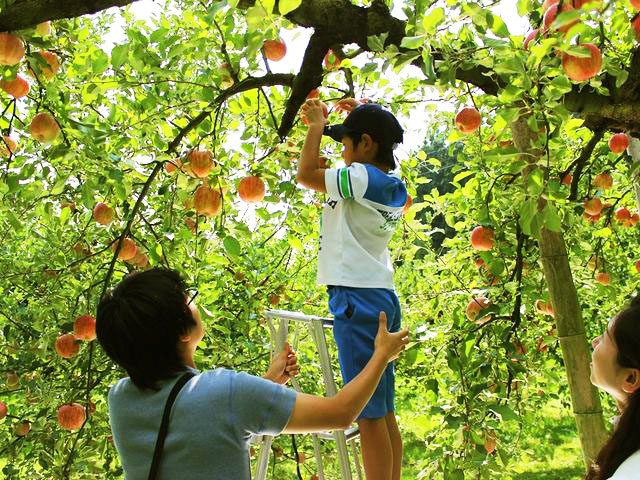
(278, 338)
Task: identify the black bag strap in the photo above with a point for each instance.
(164, 426)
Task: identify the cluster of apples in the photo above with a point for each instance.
(44, 65)
(578, 69)
(207, 200)
(84, 328)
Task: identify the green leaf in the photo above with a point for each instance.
(413, 42)
(119, 54)
(232, 246)
(286, 6)
(527, 211)
(376, 43)
(551, 219)
(504, 412)
(430, 22)
(497, 26)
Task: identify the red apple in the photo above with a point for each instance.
(172, 165)
(17, 88)
(530, 37)
(475, 306)
(548, 3)
(3, 410)
(66, 345)
(274, 49)
(9, 145)
(71, 416)
(52, 64)
(207, 201)
(635, 218)
(635, 4)
(482, 238)
(581, 3)
(580, 69)
(490, 442)
(84, 327)
(331, 61)
(251, 189)
(636, 27)
(619, 142)
(140, 260)
(591, 218)
(468, 120)
(201, 162)
(407, 204)
(11, 49)
(603, 278)
(70, 205)
(103, 213)
(637, 266)
(128, 250)
(544, 308)
(22, 428)
(44, 128)
(567, 179)
(552, 12)
(603, 181)
(623, 215)
(593, 206)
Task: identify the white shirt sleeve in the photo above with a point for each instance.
(348, 182)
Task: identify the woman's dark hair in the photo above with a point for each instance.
(385, 152)
(139, 324)
(625, 439)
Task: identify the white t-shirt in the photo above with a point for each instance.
(359, 217)
(629, 469)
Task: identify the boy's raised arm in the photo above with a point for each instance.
(310, 172)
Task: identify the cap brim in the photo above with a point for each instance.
(335, 131)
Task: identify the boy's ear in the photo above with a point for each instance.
(367, 141)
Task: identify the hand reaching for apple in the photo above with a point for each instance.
(346, 105)
(314, 112)
(284, 366)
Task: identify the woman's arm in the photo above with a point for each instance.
(312, 413)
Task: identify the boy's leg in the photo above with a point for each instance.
(396, 444)
(377, 448)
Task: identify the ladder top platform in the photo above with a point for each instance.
(299, 317)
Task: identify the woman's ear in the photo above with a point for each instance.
(632, 380)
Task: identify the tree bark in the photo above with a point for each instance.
(634, 151)
(568, 316)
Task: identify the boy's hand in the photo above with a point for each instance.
(284, 366)
(346, 105)
(390, 344)
(313, 111)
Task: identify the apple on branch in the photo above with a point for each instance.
(51, 64)
(482, 238)
(22, 428)
(103, 213)
(11, 49)
(468, 120)
(580, 69)
(66, 345)
(71, 416)
(475, 306)
(207, 201)
(17, 87)
(331, 61)
(619, 142)
(200, 162)
(9, 145)
(44, 128)
(603, 181)
(593, 206)
(128, 250)
(84, 327)
(251, 189)
(274, 50)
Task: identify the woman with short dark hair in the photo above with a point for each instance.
(149, 325)
(616, 369)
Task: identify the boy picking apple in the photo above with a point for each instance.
(362, 210)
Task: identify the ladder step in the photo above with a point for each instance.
(299, 317)
(350, 433)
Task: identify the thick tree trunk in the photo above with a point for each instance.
(570, 327)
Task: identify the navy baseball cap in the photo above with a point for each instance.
(369, 118)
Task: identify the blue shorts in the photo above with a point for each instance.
(355, 326)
